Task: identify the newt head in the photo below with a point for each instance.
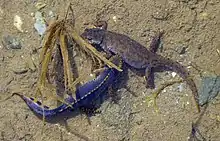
(93, 35)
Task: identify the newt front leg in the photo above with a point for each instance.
(154, 46)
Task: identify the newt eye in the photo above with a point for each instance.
(89, 38)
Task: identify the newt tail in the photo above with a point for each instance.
(174, 66)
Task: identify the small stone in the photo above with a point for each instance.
(182, 49)
(114, 18)
(204, 16)
(40, 5)
(181, 87)
(164, 91)
(209, 89)
(189, 67)
(52, 17)
(40, 24)
(173, 74)
(217, 50)
(51, 14)
(18, 23)
(11, 42)
(32, 14)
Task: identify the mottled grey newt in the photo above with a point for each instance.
(136, 55)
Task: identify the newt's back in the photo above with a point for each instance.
(133, 53)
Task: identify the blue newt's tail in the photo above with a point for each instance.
(38, 108)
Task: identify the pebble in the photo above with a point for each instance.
(52, 17)
(40, 5)
(209, 89)
(114, 18)
(11, 42)
(173, 74)
(40, 24)
(18, 23)
(182, 49)
(32, 14)
(51, 14)
(204, 16)
(181, 87)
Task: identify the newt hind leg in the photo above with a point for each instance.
(149, 77)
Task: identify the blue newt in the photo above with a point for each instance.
(85, 94)
(136, 55)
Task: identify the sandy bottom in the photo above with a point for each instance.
(192, 24)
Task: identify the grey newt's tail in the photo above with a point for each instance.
(171, 65)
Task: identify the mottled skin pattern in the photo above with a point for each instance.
(85, 94)
(136, 55)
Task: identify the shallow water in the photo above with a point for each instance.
(190, 24)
